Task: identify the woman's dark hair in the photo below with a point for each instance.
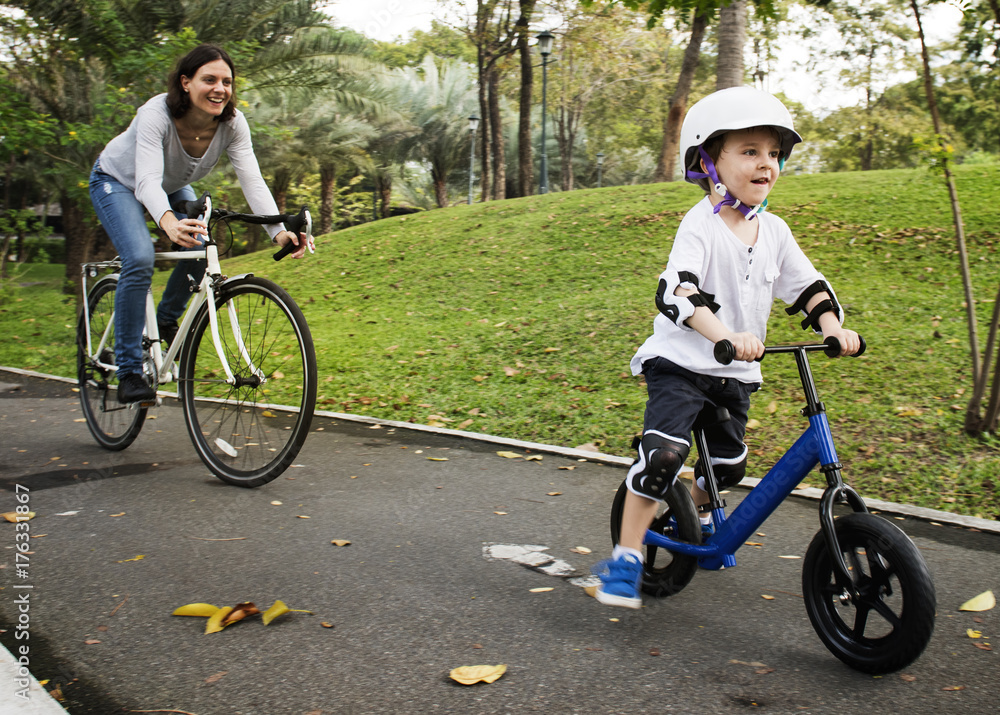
(178, 101)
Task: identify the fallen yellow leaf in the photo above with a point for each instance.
(340, 542)
(983, 602)
(767, 598)
(533, 458)
(509, 455)
(140, 557)
(500, 513)
(438, 459)
(470, 674)
(278, 609)
(553, 494)
(215, 623)
(973, 634)
(14, 517)
(203, 610)
(581, 550)
(541, 589)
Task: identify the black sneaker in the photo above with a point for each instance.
(168, 331)
(132, 387)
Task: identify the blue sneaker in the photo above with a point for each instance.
(620, 579)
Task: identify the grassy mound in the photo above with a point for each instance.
(519, 317)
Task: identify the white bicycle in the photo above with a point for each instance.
(242, 349)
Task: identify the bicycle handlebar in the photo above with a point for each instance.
(296, 223)
(725, 353)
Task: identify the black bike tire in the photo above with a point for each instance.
(870, 536)
(199, 413)
(112, 433)
(665, 573)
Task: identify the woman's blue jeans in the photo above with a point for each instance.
(124, 219)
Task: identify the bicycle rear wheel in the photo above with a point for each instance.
(238, 430)
(113, 425)
(888, 626)
(665, 573)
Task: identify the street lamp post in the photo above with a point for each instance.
(545, 39)
(600, 164)
(473, 125)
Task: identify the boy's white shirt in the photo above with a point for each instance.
(744, 279)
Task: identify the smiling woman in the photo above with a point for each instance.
(174, 140)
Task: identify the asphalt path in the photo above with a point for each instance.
(122, 539)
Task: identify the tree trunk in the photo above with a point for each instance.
(327, 190)
(440, 181)
(973, 422)
(496, 136)
(730, 70)
(484, 145)
(384, 186)
(6, 207)
(80, 237)
(677, 107)
(525, 165)
(279, 188)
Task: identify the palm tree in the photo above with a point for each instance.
(436, 100)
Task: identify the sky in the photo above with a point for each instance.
(390, 19)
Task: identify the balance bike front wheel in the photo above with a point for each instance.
(888, 626)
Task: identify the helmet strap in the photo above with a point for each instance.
(749, 212)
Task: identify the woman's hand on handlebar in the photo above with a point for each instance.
(301, 240)
(850, 341)
(188, 232)
(748, 347)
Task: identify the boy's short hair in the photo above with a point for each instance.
(713, 147)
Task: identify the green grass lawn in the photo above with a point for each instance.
(518, 318)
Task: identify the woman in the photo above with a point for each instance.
(175, 139)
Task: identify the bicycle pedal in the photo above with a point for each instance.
(151, 403)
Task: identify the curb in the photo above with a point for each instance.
(26, 695)
(934, 516)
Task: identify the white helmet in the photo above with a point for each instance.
(730, 109)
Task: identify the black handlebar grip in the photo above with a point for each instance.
(294, 224)
(725, 352)
(192, 209)
(833, 347)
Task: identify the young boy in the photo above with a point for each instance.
(728, 263)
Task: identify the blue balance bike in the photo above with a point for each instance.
(867, 590)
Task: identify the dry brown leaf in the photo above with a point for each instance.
(91, 641)
(907, 677)
(215, 678)
(953, 687)
(121, 514)
(302, 516)
(553, 494)
(983, 646)
(239, 612)
(470, 674)
(764, 671)
(581, 550)
(766, 597)
(500, 513)
(340, 542)
(654, 651)
(568, 469)
(983, 602)
(276, 503)
(326, 625)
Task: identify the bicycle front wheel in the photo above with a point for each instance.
(890, 623)
(249, 432)
(665, 573)
(114, 426)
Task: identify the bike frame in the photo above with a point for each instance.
(814, 447)
(204, 292)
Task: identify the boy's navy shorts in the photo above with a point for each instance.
(677, 395)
